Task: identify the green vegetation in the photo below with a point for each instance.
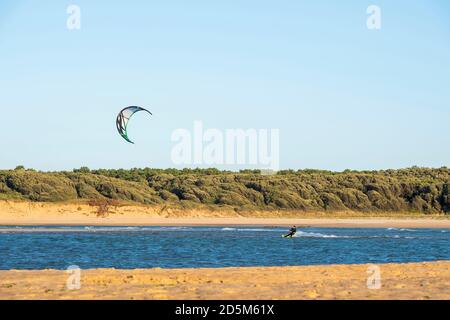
(418, 190)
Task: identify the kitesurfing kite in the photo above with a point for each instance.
(124, 117)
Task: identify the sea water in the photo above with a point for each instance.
(193, 247)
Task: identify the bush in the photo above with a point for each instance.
(415, 189)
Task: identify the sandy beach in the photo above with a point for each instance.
(35, 213)
(430, 280)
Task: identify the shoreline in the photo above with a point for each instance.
(78, 214)
(414, 223)
(423, 280)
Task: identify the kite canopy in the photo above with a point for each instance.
(124, 117)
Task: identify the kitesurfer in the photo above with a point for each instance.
(292, 232)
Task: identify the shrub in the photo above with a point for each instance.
(415, 189)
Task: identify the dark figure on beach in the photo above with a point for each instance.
(292, 231)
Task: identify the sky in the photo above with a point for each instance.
(342, 96)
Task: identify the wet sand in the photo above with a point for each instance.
(47, 214)
(430, 280)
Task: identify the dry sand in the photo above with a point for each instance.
(32, 213)
(429, 280)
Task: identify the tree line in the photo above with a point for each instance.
(423, 190)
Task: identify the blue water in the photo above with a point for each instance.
(186, 247)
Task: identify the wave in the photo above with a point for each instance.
(302, 234)
(387, 234)
(401, 229)
(318, 235)
(252, 229)
(74, 229)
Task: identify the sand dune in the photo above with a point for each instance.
(429, 280)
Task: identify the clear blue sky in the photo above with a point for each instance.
(342, 96)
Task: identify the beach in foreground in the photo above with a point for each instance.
(428, 280)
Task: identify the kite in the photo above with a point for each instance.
(124, 117)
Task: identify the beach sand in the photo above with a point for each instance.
(35, 213)
(430, 280)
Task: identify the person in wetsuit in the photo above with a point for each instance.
(292, 232)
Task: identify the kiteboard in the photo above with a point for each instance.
(286, 236)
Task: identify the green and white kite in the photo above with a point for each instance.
(124, 117)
